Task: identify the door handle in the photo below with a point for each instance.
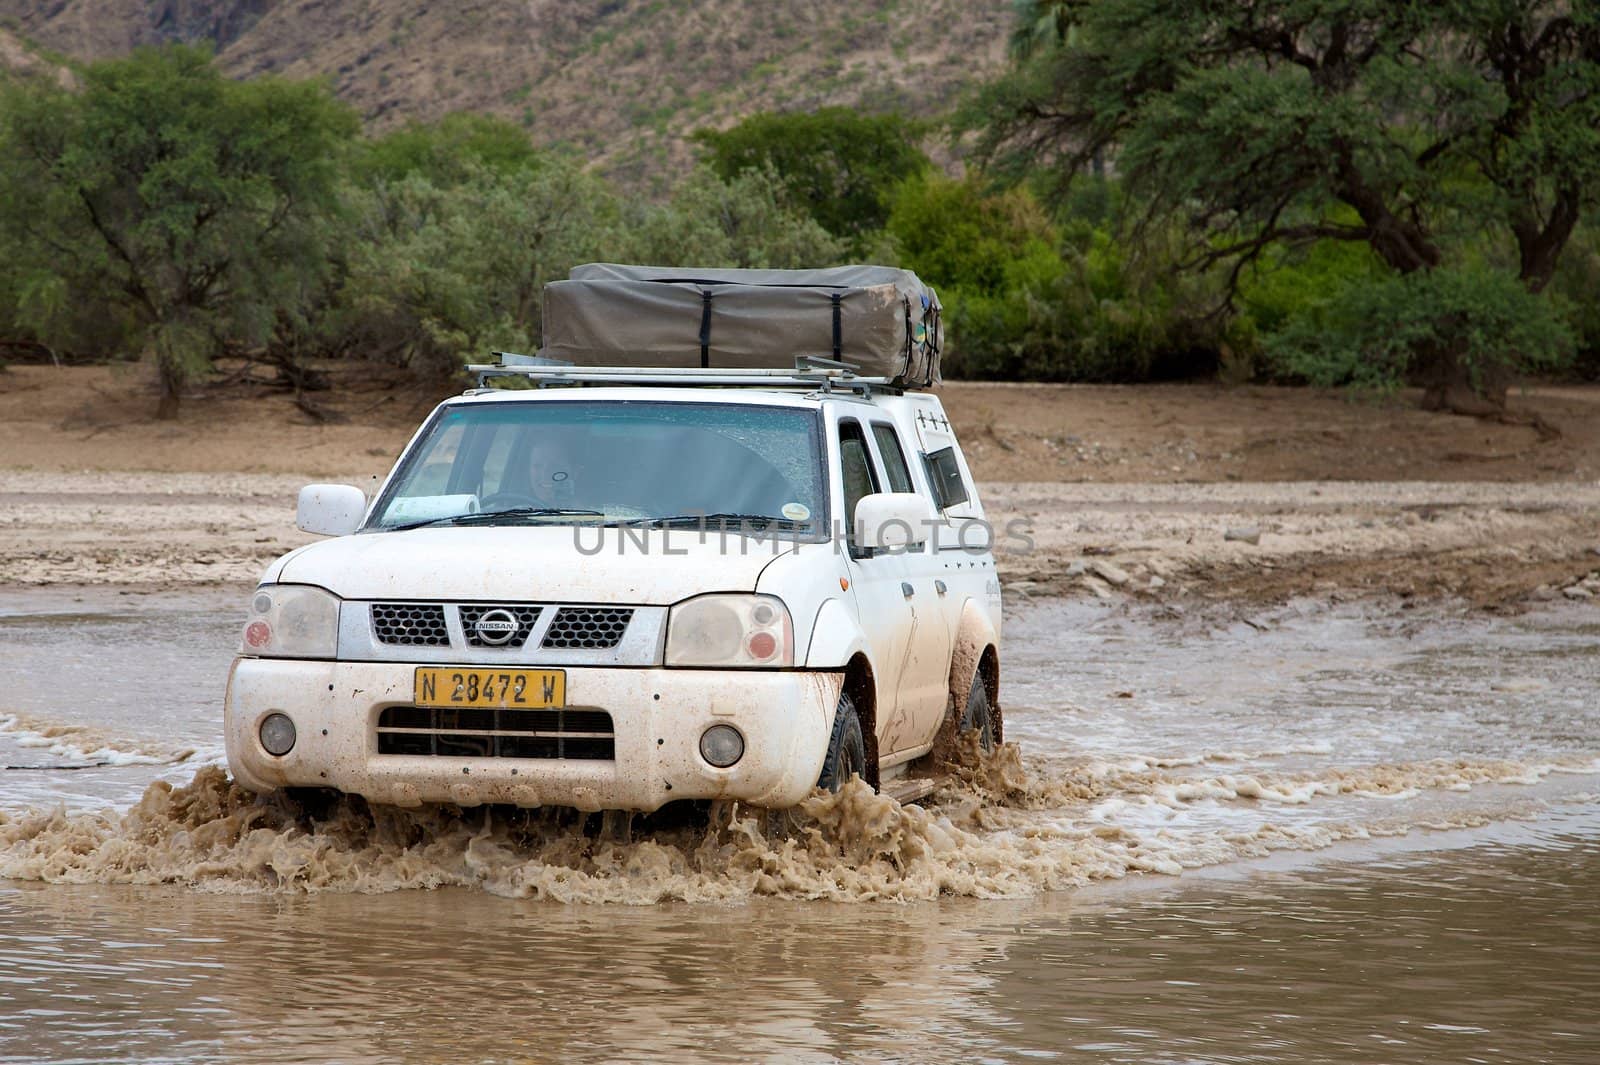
(939, 587)
(906, 590)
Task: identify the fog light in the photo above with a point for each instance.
(721, 745)
(277, 734)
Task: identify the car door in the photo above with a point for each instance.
(944, 560)
(887, 619)
(924, 683)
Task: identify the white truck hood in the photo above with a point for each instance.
(536, 564)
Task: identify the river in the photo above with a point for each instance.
(1319, 833)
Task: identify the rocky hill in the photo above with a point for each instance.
(21, 58)
(621, 81)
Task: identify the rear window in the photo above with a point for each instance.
(944, 473)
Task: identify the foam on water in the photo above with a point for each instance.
(80, 745)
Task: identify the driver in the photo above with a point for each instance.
(554, 468)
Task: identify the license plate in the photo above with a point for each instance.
(535, 689)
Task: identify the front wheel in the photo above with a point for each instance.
(847, 748)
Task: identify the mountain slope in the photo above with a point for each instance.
(20, 58)
(620, 81)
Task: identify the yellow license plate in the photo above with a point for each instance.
(533, 689)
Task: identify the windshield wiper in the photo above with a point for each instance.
(489, 517)
(717, 519)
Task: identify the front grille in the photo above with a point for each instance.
(410, 624)
(525, 613)
(586, 626)
(490, 732)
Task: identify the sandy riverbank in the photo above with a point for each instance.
(1124, 491)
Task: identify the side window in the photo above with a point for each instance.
(894, 459)
(855, 472)
(945, 475)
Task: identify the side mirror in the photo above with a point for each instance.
(330, 509)
(893, 519)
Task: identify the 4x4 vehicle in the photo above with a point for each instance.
(657, 585)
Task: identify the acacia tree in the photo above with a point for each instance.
(838, 165)
(440, 273)
(1458, 139)
(188, 209)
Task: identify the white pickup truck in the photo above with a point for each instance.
(654, 586)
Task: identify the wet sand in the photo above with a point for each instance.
(1493, 545)
(1124, 491)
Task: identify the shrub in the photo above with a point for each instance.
(1382, 332)
(745, 221)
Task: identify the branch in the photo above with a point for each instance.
(1426, 157)
(1274, 234)
(134, 286)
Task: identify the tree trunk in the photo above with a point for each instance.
(1449, 384)
(171, 378)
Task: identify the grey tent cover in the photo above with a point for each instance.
(882, 320)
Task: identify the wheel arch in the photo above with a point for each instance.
(975, 653)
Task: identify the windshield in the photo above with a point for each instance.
(615, 462)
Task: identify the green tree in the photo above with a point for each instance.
(439, 274)
(987, 255)
(744, 221)
(185, 208)
(1576, 282)
(838, 165)
(440, 269)
(1454, 135)
(1027, 297)
(447, 151)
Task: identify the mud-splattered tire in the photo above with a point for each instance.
(314, 804)
(847, 748)
(976, 716)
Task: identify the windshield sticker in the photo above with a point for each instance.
(424, 508)
(796, 511)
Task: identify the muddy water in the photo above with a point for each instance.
(1386, 830)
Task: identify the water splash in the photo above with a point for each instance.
(998, 828)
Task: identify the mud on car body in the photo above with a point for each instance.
(620, 595)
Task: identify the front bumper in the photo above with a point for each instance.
(658, 716)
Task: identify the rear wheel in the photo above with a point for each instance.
(847, 748)
(976, 716)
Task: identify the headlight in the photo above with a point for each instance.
(291, 621)
(742, 631)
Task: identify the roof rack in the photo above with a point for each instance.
(810, 372)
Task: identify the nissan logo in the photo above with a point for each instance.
(496, 627)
